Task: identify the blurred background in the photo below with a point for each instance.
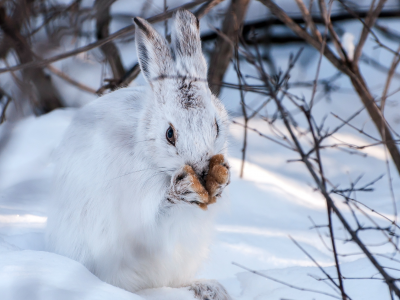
(312, 90)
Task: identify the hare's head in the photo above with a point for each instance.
(185, 122)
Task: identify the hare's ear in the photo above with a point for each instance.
(154, 54)
(187, 45)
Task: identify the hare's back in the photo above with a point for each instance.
(96, 148)
(101, 133)
(111, 118)
(119, 108)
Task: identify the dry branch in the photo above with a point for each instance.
(128, 29)
(369, 23)
(3, 94)
(340, 286)
(327, 21)
(279, 39)
(316, 172)
(206, 7)
(47, 97)
(109, 50)
(285, 283)
(308, 19)
(355, 76)
(393, 66)
(223, 51)
(68, 79)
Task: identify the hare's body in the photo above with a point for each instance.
(144, 246)
(124, 205)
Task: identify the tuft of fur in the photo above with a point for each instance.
(125, 200)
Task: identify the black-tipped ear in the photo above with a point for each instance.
(153, 51)
(187, 44)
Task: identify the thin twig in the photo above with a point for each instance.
(395, 62)
(322, 269)
(109, 50)
(326, 16)
(308, 19)
(206, 7)
(285, 283)
(68, 79)
(321, 51)
(264, 136)
(369, 23)
(3, 94)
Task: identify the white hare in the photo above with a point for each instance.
(138, 167)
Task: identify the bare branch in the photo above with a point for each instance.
(223, 50)
(318, 179)
(47, 96)
(109, 50)
(285, 283)
(68, 79)
(369, 23)
(327, 20)
(206, 7)
(393, 66)
(308, 19)
(3, 94)
(264, 136)
(128, 29)
(355, 77)
(344, 296)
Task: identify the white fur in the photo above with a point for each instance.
(115, 168)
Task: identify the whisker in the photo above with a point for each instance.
(145, 141)
(135, 172)
(148, 179)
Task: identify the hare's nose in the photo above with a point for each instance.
(200, 166)
(201, 170)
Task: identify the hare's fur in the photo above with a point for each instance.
(115, 169)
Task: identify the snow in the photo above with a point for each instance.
(256, 287)
(266, 207)
(348, 44)
(30, 274)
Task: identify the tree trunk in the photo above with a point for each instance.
(223, 51)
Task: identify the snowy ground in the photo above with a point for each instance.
(266, 207)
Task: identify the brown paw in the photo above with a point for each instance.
(217, 177)
(196, 186)
(186, 187)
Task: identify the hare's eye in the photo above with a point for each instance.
(216, 125)
(170, 135)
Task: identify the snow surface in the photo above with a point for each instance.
(266, 207)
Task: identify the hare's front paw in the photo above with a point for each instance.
(209, 290)
(218, 177)
(186, 187)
